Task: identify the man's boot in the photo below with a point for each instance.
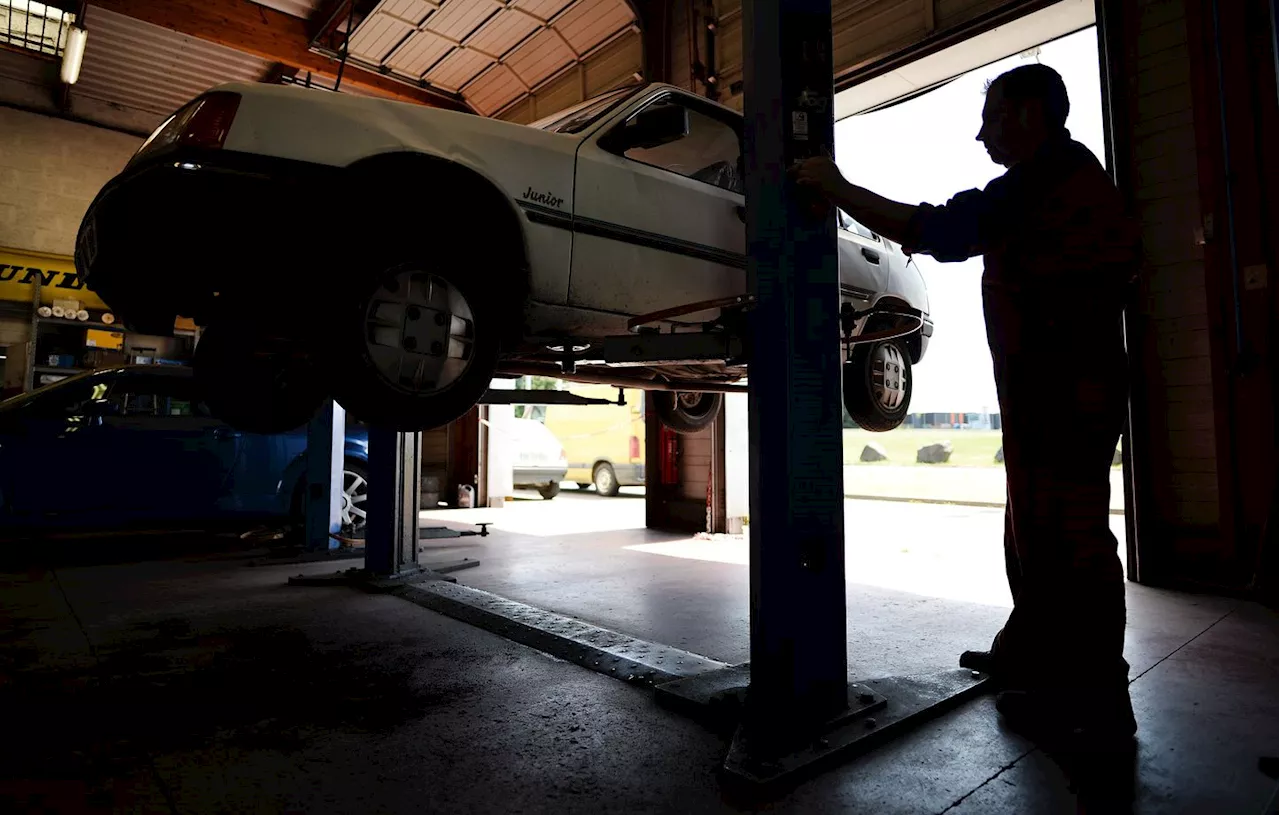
(1073, 718)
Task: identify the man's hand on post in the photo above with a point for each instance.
(819, 179)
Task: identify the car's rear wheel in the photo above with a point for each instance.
(549, 490)
(605, 479)
(686, 411)
(877, 385)
(417, 343)
(255, 382)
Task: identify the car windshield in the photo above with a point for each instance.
(584, 114)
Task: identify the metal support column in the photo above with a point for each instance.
(799, 706)
(391, 533)
(798, 650)
(323, 496)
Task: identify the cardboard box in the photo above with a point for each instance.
(104, 358)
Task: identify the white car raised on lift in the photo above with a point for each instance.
(398, 257)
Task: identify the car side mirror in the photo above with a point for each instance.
(652, 127)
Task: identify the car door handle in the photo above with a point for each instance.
(872, 257)
(226, 433)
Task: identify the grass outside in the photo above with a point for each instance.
(969, 448)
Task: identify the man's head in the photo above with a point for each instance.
(1025, 107)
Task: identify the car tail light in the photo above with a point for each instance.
(635, 448)
(203, 123)
(211, 120)
(563, 456)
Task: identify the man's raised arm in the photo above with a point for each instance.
(949, 233)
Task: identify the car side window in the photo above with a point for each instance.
(850, 225)
(710, 152)
(158, 399)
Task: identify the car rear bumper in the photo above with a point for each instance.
(522, 476)
(629, 475)
(167, 234)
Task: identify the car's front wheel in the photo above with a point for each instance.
(255, 382)
(685, 411)
(877, 385)
(417, 343)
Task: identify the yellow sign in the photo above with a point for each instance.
(56, 273)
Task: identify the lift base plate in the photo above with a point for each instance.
(890, 706)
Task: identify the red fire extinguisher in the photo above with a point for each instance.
(670, 456)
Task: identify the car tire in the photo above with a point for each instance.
(255, 383)
(549, 491)
(417, 343)
(687, 411)
(583, 486)
(877, 385)
(351, 469)
(605, 479)
(355, 495)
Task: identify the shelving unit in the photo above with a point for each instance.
(57, 369)
(119, 329)
(45, 329)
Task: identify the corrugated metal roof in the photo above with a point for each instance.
(145, 67)
(297, 8)
(455, 44)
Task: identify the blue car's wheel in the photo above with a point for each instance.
(355, 494)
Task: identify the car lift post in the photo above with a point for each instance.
(395, 496)
(799, 707)
(322, 500)
(798, 651)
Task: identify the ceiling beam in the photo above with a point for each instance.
(278, 72)
(328, 17)
(268, 34)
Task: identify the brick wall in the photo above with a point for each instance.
(1182, 467)
(50, 170)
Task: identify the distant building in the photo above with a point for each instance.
(954, 421)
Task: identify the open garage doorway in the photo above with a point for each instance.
(947, 454)
(553, 469)
(924, 556)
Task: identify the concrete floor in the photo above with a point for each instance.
(198, 684)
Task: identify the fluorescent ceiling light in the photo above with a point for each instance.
(73, 55)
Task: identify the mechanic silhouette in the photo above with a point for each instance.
(1060, 255)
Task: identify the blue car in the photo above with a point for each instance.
(120, 446)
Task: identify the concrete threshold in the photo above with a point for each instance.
(943, 501)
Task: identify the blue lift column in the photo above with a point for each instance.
(799, 705)
(322, 500)
(798, 645)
